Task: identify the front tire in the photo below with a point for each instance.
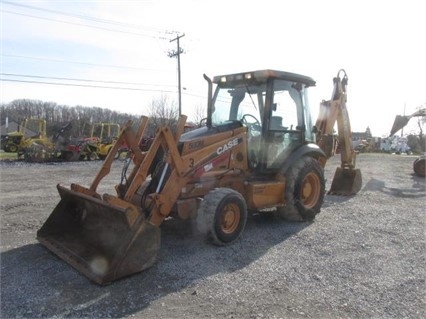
(225, 215)
(12, 148)
(305, 189)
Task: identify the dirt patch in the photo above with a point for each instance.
(362, 257)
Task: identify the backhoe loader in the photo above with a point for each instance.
(255, 154)
(107, 133)
(18, 142)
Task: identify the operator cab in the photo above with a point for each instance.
(274, 107)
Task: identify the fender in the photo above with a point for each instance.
(310, 149)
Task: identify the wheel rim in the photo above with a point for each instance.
(311, 189)
(230, 218)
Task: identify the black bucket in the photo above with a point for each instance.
(103, 241)
(346, 182)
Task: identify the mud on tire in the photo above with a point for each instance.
(222, 215)
(304, 192)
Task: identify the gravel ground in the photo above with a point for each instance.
(362, 257)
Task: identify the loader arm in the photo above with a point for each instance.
(163, 138)
(347, 180)
(106, 237)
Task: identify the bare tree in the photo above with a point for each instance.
(199, 114)
(163, 112)
(80, 117)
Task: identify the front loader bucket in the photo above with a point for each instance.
(99, 239)
(346, 181)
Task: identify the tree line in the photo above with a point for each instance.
(162, 111)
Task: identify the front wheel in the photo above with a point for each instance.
(12, 148)
(305, 189)
(224, 214)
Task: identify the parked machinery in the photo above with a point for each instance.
(102, 137)
(256, 154)
(16, 142)
(107, 133)
(82, 149)
(36, 147)
(419, 165)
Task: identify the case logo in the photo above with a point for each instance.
(227, 146)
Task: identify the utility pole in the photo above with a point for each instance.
(177, 53)
(402, 130)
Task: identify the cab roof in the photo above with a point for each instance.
(262, 76)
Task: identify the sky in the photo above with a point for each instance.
(116, 53)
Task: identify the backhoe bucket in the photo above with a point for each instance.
(399, 123)
(103, 241)
(346, 181)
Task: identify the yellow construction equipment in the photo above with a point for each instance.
(347, 180)
(255, 154)
(17, 142)
(107, 134)
(419, 165)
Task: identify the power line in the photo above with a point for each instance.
(81, 80)
(86, 85)
(85, 17)
(79, 24)
(83, 63)
(194, 95)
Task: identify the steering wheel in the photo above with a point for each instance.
(203, 122)
(252, 126)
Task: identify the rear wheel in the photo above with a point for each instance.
(92, 156)
(67, 155)
(305, 188)
(419, 166)
(224, 214)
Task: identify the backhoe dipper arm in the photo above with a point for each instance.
(347, 180)
(330, 112)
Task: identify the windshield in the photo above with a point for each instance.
(235, 103)
(242, 102)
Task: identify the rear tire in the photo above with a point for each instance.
(419, 166)
(92, 156)
(305, 189)
(67, 155)
(224, 215)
